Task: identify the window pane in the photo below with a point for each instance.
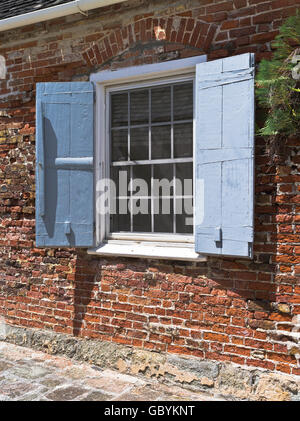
(119, 140)
(119, 110)
(139, 107)
(163, 221)
(161, 104)
(184, 216)
(142, 172)
(183, 101)
(121, 177)
(141, 221)
(139, 144)
(163, 180)
(183, 140)
(184, 171)
(161, 142)
(120, 222)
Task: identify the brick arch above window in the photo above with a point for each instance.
(187, 31)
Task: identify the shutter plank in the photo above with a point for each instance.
(224, 156)
(65, 136)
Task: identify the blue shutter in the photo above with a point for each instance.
(224, 156)
(64, 164)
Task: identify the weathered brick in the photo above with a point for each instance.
(221, 310)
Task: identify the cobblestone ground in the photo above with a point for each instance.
(29, 375)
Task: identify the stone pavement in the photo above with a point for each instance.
(30, 375)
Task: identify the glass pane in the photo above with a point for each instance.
(139, 144)
(184, 175)
(121, 177)
(139, 107)
(161, 104)
(119, 110)
(141, 215)
(184, 216)
(161, 142)
(183, 140)
(119, 147)
(120, 221)
(183, 101)
(142, 176)
(163, 221)
(163, 180)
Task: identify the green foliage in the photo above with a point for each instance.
(276, 88)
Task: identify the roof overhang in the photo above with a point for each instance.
(76, 6)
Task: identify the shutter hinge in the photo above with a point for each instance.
(218, 236)
(250, 250)
(67, 227)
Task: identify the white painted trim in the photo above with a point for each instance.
(151, 161)
(100, 164)
(148, 71)
(148, 251)
(157, 237)
(109, 81)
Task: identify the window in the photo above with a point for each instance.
(186, 122)
(148, 147)
(151, 148)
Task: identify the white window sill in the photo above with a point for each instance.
(151, 251)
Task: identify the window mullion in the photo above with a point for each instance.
(172, 157)
(150, 157)
(172, 123)
(152, 198)
(130, 169)
(174, 198)
(150, 131)
(162, 123)
(131, 201)
(129, 117)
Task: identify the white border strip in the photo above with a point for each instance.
(148, 71)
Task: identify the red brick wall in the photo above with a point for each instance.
(225, 309)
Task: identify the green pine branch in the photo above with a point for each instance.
(276, 89)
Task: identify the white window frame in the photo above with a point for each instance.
(168, 246)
